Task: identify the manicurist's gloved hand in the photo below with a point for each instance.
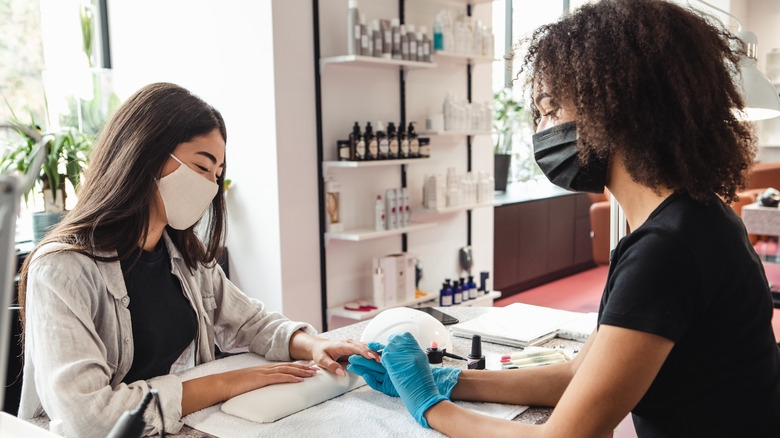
(376, 376)
(407, 366)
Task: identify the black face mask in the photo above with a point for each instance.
(555, 150)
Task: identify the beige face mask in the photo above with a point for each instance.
(186, 196)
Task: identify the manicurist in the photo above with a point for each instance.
(122, 294)
(637, 96)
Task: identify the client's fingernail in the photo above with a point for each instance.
(300, 379)
(340, 372)
(311, 372)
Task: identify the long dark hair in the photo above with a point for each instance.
(112, 213)
(652, 82)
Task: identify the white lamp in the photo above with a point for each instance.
(760, 96)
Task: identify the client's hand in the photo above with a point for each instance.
(247, 379)
(327, 353)
(376, 376)
(407, 366)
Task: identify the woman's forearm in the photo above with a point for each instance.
(202, 392)
(539, 386)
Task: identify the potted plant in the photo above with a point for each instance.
(506, 113)
(67, 152)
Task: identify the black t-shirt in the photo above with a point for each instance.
(690, 274)
(164, 322)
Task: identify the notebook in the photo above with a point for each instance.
(518, 325)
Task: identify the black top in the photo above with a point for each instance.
(690, 274)
(164, 322)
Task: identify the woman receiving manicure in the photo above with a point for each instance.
(122, 294)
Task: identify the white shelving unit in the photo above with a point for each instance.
(458, 208)
(463, 57)
(361, 235)
(452, 133)
(376, 163)
(432, 300)
(379, 67)
(370, 61)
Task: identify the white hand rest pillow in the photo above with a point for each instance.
(270, 403)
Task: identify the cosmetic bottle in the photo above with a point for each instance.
(483, 277)
(371, 145)
(379, 214)
(457, 294)
(387, 38)
(342, 150)
(424, 42)
(403, 142)
(412, 37)
(464, 290)
(353, 28)
(363, 37)
(395, 25)
(420, 47)
(472, 288)
(445, 296)
(391, 211)
(414, 143)
(476, 359)
(392, 141)
(435, 354)
(438, 40)
(382, 143)
(403, 208)
(425, 147)
(356, 141)
(404, 42)
(376, 39)
(379, 288)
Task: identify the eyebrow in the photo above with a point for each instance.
(540, 97)
(210, 157)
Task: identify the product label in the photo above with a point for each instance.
(446, 300)
(364, 42)
(372, 147)
(394, 147)
(405, 148)
(357, 31)
(397, 38)
(425, 151)
(360, 149)
(457, 298)
(383, 147)
(344, 152)
(413, 47)
(405, 50)
(414, 147)
(473, 293)
(388, 35)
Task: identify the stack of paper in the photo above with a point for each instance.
(518, 324)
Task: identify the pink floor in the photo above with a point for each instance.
(582, 293)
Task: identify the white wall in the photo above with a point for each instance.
(222, 51)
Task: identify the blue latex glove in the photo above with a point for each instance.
(376, 376)
(407, 366)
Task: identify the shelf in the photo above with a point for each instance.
(373, 163)
(481, 300)
(769, 145)
(368, 234)
(362, 316)
(464, 57)
(454, 209)
(461, 2)
(370, 61)
(452, 133)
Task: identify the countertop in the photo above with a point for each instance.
(461, 346)
(529, 191)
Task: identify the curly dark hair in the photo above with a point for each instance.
(652, 83)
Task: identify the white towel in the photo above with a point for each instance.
(362, 412)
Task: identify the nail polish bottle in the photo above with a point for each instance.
(435, 355)
(476, 359)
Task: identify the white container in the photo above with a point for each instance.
(379, 287)
(333, 206)
(379, 214)
(391, 209)
(404, 212)
(353, 28)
